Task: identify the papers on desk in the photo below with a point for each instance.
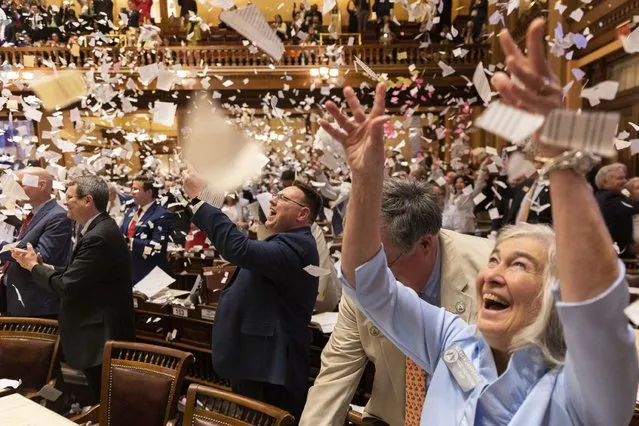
(357, 408)
(16, 410)
(325, 321)
(154, 282)
(9, 383)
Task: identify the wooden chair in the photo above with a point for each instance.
(207, 406)
(29, 351)
(140, 385)
(354, 418)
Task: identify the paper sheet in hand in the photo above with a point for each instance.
(226, 161)
(60, 90)
(155, 281)
(250, 22)
(8, 247)
(16, 410)
(214, 198)
(590, 131)
(508, 122)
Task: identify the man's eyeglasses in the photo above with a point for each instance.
(282, 197)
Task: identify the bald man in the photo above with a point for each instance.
(49, 231)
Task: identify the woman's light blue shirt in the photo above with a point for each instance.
(596, 386)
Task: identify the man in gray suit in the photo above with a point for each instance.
(48, 230)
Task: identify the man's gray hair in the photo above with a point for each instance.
(602, 174)
(409, 211)
(94, 186)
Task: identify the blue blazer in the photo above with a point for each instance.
(152, 231)
(49, 232)
(261, 324)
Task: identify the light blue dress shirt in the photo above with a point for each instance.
(596, 386)
(432, 290)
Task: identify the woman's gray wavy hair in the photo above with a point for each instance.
(545, 331)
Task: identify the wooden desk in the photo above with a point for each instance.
(16, 410)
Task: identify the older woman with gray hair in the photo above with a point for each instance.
(541, 353)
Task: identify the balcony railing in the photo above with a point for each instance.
(220, 58)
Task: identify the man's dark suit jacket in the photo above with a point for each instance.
(617, 210)
(153, 231)
(49, 232)
(261, 325)
(518, 194)
(95, 290)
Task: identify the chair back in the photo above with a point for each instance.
(141, 383)
(206, 406)
(29, 351)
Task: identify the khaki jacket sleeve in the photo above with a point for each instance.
(343, 363)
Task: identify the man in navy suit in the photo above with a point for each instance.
(147, 226)
(48, 230)
(260, 336)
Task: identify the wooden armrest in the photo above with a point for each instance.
(93, 416)
(354, 417)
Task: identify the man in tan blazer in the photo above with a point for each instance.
(406, 207)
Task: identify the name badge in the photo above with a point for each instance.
(461, 368)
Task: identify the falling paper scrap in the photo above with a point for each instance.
(226, 162)
(61, 90)
(366, 68)
(631, 43)
(316, 271)
(250, 22)
(590, 131)
(481, 83)
(605, 90)
(508, 122)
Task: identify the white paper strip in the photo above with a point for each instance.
(250, 22)
(590, 131)
(508, 122)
